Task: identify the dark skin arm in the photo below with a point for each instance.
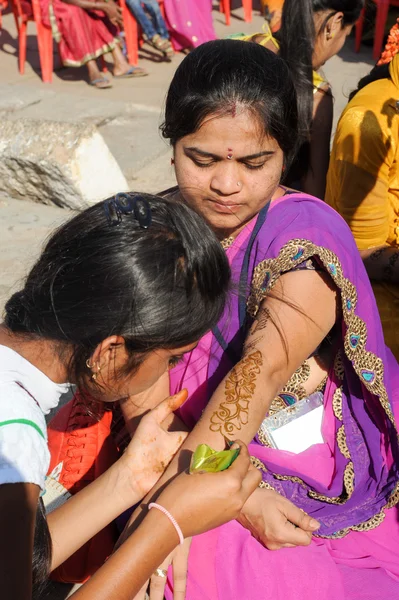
(109, 7)
(314, 182)
(18, 502)
(382, 263)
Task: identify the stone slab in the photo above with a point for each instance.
(66, 164)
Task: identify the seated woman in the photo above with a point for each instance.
(312, 31)
(86, 30)
(190, 22)
(297, 363)
(148, 14)
(363, 180)
(106, 306)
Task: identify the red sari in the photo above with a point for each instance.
(81, 35)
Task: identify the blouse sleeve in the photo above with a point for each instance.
(358, 177)
(24, 454)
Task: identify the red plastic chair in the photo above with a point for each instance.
(3, 6)
(247, 5)
(131, 34)
(24, 11)
(380, 22)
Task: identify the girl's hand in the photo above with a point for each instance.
(201, 502)
(152, 447)
(204, 501)
(276, 522)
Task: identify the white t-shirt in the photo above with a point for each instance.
(26, 395)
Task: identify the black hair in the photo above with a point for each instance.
(297, 37)
(217, 76)
(377, 73)
(163, 286)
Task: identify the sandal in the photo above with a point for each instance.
(169, 52)
(101, 83)
(132, 72)
(159, 43)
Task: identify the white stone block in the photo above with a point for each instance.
(66, 164)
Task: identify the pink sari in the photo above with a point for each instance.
(228, 563)
(189, 22)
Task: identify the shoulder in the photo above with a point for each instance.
(301, 216)
(24, 455)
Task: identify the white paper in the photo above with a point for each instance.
(301, 433)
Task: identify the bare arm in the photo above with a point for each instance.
(87, 4)
(109, 7)
(88, 512)
(314, 182)
(382, 263)
(126, 571)
(18, 502)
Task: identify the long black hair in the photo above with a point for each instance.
(163, 286)
(217, 76)
(297, 38)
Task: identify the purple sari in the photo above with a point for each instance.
(349, 482)
(189, 22)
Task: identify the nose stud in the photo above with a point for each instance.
(239, 184)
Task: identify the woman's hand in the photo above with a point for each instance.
(179, 561)
(113, 12)
(201, 502)
(152, 447)
(276, 522)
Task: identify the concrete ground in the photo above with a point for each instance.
(128, 116)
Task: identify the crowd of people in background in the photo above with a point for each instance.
(261, 290)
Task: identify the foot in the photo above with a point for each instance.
(129, 71)
(102, 83)
(159, 43)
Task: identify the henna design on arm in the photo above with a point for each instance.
(374, 256)
(240, 386)
(261, 320)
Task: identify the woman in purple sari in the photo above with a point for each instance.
(297, 364)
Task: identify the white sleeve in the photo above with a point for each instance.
(24, 455)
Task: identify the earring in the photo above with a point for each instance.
(89, 366)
